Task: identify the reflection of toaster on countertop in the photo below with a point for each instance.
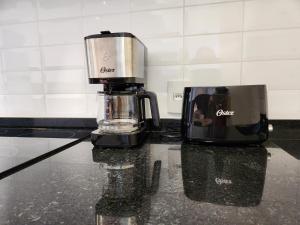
(227, 114)
(224, 175)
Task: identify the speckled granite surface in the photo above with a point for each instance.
(156, 184)
(17, 150)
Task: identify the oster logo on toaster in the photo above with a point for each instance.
(221, 112)
(221, 181)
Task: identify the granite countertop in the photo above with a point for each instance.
(161, 182)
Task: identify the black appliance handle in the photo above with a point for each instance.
(153, 106)
(155, 176)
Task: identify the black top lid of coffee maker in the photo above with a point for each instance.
(107, 33)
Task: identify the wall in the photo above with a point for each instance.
(211, 42)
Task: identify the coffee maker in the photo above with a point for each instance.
(117, 60)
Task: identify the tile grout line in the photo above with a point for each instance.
(82, 2)
(41, 58)
(242, 42)
(183, 43)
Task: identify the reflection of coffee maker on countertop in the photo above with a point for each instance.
(117, 60)
(128, 185)
(224, 175)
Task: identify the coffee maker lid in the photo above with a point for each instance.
(107, 34)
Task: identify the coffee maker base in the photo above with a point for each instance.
(114, 140)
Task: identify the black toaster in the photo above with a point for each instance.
(225, 114)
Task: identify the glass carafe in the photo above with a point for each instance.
(124, 112)
(121, 113)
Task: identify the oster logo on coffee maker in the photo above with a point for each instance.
(106, 70)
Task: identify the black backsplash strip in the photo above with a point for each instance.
(48, 122)
(90, 123)
(286, 123)
(44, 132)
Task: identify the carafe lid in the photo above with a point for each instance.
(108, 34)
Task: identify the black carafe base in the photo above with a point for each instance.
(118, 140)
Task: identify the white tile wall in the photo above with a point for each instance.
(92, 101)
(163, 111)
(3, 88)
(268, 14)
(3, 106)
(24, 105)
(199, 2)
(207, 42)
(25, 82)
(278, 75)
(65, 81)
(170, 54)
(213, 18)
(18, 35)
(21, 59)
(162, 23)
(96, 7)
(58, 9)
(272, 44)
(213, 48)
(158, 77)
(115, 22)
(63, 57)
(154, 4)
(284, 104)
(59, 105)
(16, 11)
(67, 31)
(213, 74)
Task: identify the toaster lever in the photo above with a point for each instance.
(270, 128)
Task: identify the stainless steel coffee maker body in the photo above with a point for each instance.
(117, 60)
(115, 57)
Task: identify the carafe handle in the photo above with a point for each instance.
(153, 106)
